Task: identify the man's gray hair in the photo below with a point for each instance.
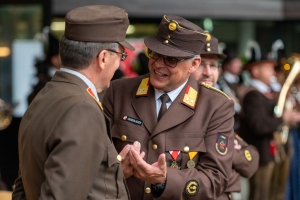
(78, 54)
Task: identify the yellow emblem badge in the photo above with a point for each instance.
(172, 26)
(143, 88)
(248, 155)
(192, 187)
(208, 36)
(190, 97)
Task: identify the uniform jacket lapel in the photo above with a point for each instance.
(145, 108)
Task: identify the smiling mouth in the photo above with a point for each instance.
(159, 74)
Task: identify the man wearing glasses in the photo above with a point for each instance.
(245, 156)
(181, 131)
(65, 149)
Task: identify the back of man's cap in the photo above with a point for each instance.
(98, 23)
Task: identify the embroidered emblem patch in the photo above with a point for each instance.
(222, 144)
(132, 120)
(248, 155)
(192, 187)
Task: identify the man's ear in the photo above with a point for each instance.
(102, 59)
(195, 64)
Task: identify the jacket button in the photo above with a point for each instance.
(124, 137)
(147, 190)
(186, 149)
(154, 146)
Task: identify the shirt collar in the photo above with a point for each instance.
(82, 77)
(230, 78)
(172, 94)
(260, 86)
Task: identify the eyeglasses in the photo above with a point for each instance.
(123, 55)
(212, 65)
(169, 61)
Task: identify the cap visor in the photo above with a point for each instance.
(127, 45)
(164, 49)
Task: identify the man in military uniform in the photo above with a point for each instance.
(184, 129)
(65, 150)
(245, 156)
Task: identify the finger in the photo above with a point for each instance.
(125, 151)
(142, 155)
(162, 161)
(137, 146)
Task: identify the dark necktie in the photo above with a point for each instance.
(163, 108)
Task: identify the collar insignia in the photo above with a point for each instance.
(190, 97)
(89, 90)
(143, 88)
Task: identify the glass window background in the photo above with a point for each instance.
(16, 22)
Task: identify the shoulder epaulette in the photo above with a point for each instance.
(215, 89)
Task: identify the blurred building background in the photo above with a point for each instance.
(233, 22)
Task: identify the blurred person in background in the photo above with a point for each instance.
(245, 156)
(47, 67)
(258, 121)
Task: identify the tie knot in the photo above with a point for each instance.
(164, 98)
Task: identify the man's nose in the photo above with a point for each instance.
(207, 70)
(159, 62)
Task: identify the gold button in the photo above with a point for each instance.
(208, 44)
(186, 149)
(119, 158)
(166, 41)
(169, 36)
(147, 190)
(154, 146)
(124, 137)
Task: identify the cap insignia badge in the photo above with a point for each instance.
(172, 26)
(208, 36)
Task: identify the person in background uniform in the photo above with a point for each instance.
(258, 122)
(184, 129)
(65, 150)
(230, 82)
(245, 156)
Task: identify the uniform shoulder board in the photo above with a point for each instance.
(215, 89)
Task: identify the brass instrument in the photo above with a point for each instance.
(5, 115)
(282, 135)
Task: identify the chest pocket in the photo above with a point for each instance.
(113, 175)
(185, 142)
(124, 132)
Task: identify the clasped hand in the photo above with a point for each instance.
(133, 164)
